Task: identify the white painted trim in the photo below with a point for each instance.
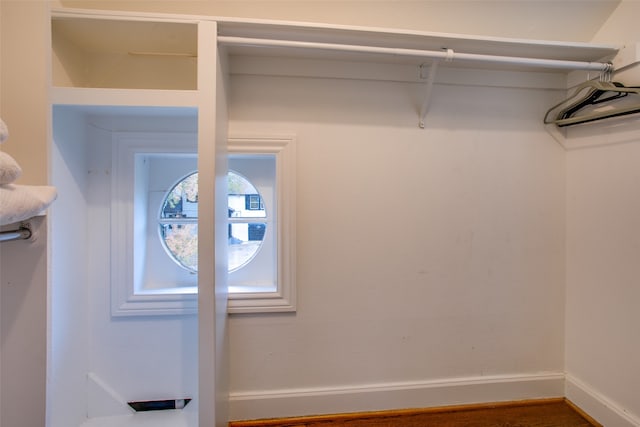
(396, 395)
(212, 203)
(123, 97)
(284, 298)
(599, 407)
(124, 300)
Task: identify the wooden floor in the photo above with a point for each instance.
(532, 413)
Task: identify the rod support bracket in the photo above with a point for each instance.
(429, 79)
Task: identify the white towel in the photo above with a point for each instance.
(4, 132)
(21, 202)
(9, 169)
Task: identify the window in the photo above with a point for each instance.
(178, 222)
(267, 282)
(247, 220)
(154, 269)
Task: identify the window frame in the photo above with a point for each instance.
(125, 300)
(283, 299)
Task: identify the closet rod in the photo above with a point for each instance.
(22, 233)
(446, 54)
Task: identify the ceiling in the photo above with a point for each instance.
(562, 20)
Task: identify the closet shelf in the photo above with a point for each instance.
(166, 74)
(164, 33)
(299, 39)
(123, 97)
(104, 51)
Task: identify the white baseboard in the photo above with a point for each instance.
(376, 397)
(600, 408)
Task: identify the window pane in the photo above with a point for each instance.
(182, 200)
(182, 242)
(244, 199)
(180, 239)
(245, 240)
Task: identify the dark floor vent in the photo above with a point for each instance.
(159, 405)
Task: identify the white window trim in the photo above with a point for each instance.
(124, 300)
(284, 298)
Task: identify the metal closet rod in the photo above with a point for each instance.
(22, 233)
(445, 55)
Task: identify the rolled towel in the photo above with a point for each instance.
(21, 202)
(10, 170)
(4, 132)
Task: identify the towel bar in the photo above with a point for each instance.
(22, 233)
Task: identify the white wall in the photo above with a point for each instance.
(455, 271)
(23, 265)
(602, 254)
(99, 362)
(69, 291)
(602, 279)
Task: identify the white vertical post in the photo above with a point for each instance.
(210, 370)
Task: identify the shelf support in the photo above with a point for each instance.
(431, 75)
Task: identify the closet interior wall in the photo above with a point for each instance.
(602, 236)
(420, 251)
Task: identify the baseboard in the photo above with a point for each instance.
(600, 408)
(386, 396)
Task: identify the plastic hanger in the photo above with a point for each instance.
(597, 92)
(594, 97)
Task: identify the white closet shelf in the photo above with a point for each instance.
(297, 39)
(123, 97)
(99, 40)
(151, 38)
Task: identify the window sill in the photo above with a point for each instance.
(184, 301)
